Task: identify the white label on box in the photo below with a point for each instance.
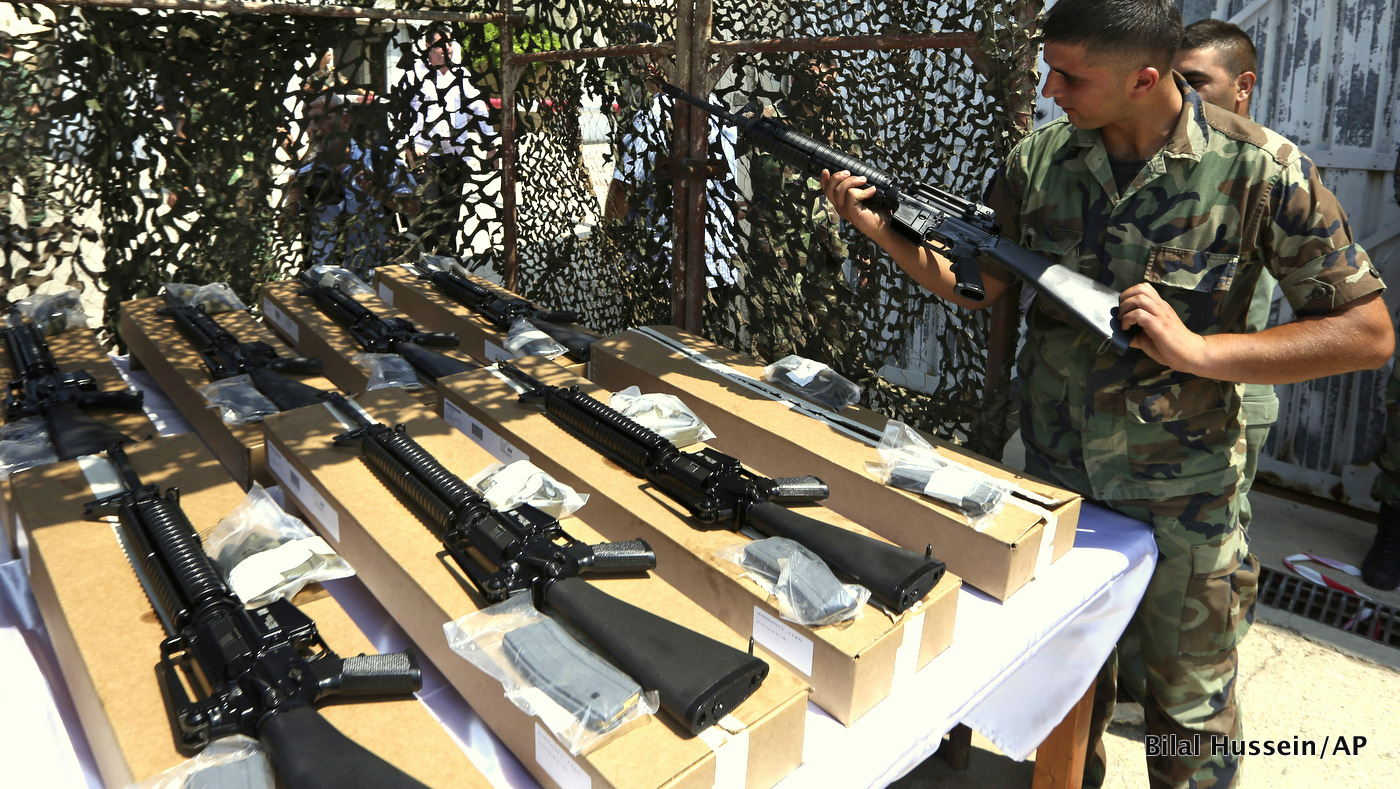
(499, 448)
(784, 642)
(495, 353)
(280, 320)
(1047, 548)
(906, 658)
(729, 739)
(386, 295)
(557, 763)
(312, 502)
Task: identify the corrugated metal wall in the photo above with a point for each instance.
(1329, 79)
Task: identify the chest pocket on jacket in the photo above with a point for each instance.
(1194, 283)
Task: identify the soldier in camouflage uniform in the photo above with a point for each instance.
(1179, 205)
(795, 237)
(1218, 60)
(1381, 567)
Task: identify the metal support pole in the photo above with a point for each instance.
(510, 78)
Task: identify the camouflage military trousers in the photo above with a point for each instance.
(1178, 655)
(1387, 485)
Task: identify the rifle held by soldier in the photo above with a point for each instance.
(224, 356)
(260, 671)
(714, 488)
(960, 229)
(502, 311)
(699, 680)
(60, 397)
(386, 335)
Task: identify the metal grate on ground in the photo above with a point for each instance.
(1332, 607)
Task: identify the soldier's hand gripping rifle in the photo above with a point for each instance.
(260, 670)
(715, 488)
(960, 229)
(386, 335)
(503, 311)
(698, 679)
(224, 356)
(60, 397)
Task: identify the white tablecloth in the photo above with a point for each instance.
(1014, 670)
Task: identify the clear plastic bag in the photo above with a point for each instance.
(524, 339)
(234, 762)
(664, 414)
(237, 400)
(214, 298)
(814, 381)
(522, 482)
(51, 313)
(808, 592)
(387, 370)
(910, 463)
(546, 672)
(269, 555)
(336, 277)
(24, 443)
(442, 263)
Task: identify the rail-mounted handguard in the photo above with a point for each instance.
(60, 397)
(960, 229)
(502, 311)
(715, 488)
(386, 335)
(502, 553)
(258, 671)
(224, 357)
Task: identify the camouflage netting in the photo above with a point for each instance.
(146, 147)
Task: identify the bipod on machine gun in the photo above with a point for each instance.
(960, 229)
(41, 389)
(224, 357)
(502, 311)
(386, 335)
(715, 488)
(260, 670)
(699, 680)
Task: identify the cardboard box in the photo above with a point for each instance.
(436, 311)
(77, 350)
(300, 322)
(405, 567)
(155, 343)
(777, 440)
(851, 666)
(107, 637)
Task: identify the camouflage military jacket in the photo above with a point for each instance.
(1223, 200)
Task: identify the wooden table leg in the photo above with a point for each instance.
(957, 749)
(1059, 762)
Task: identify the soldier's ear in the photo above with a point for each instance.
(1244, 86)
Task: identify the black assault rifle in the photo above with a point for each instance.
(932, 217)
(503, 311)
(260, 670)
(699, 680)
(224, 357)
(714, 487)
(60, 397)
(391, 335)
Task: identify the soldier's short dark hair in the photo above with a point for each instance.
(1144, 32)
(1236, 48)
